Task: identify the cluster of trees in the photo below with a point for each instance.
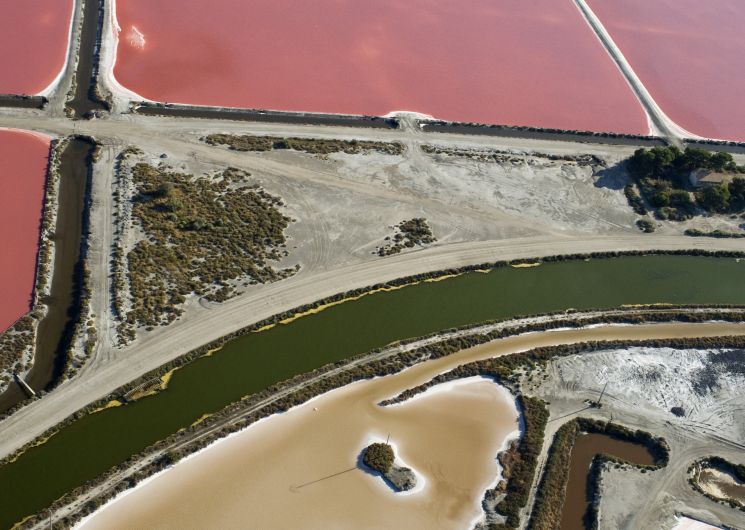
(671, 163)
(662, 175)
(723, 198)
(379, 456)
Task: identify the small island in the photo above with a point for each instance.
(380, 457)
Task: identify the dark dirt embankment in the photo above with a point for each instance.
(22, 102)
(216, 113)
(537, 133)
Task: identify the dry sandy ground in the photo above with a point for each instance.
(685, 523)
(643, 385)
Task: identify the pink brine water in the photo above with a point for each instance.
(689, 54)
(23, 167)
(34, 39)
(507, 61)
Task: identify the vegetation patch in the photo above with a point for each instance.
(645, 225)
(408, 234)
(16, 343)
(379, 456)
(663, 176)
(693, 232)
(635, 200)
(518, 467)
(500, 156)
(315, 146)
(202, 236)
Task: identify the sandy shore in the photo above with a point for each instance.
(449, 436)
(109, 48)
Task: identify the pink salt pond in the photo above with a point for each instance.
(34, 38)
(689, 55)
(509, 62)
(23, 169)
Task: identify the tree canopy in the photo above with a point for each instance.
(379, 456)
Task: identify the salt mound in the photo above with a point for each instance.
(136, 38)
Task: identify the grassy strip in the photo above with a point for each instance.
(315, 146)
(517, 131)
(519, 463)
(501, 156)
(551, 493)
(719, 463)
(694, 232)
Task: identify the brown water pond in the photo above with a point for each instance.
(586, 448)
(722, 484)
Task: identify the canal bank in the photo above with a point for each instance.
(86, 98)
(577, 511)
(54, 332)
(246, 365)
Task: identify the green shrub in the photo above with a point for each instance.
(379, 456)
(645, 225)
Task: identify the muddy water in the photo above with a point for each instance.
(509, 62)
(689, 56)
(298, 470)
(23, 169)
(84, 99)
(55, 330)
(586, 447)
(33, 44)
(724, 484)
(255, 361)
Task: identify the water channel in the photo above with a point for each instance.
(587, 446)
(56, 328)
(250, 363)
(85, 101)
